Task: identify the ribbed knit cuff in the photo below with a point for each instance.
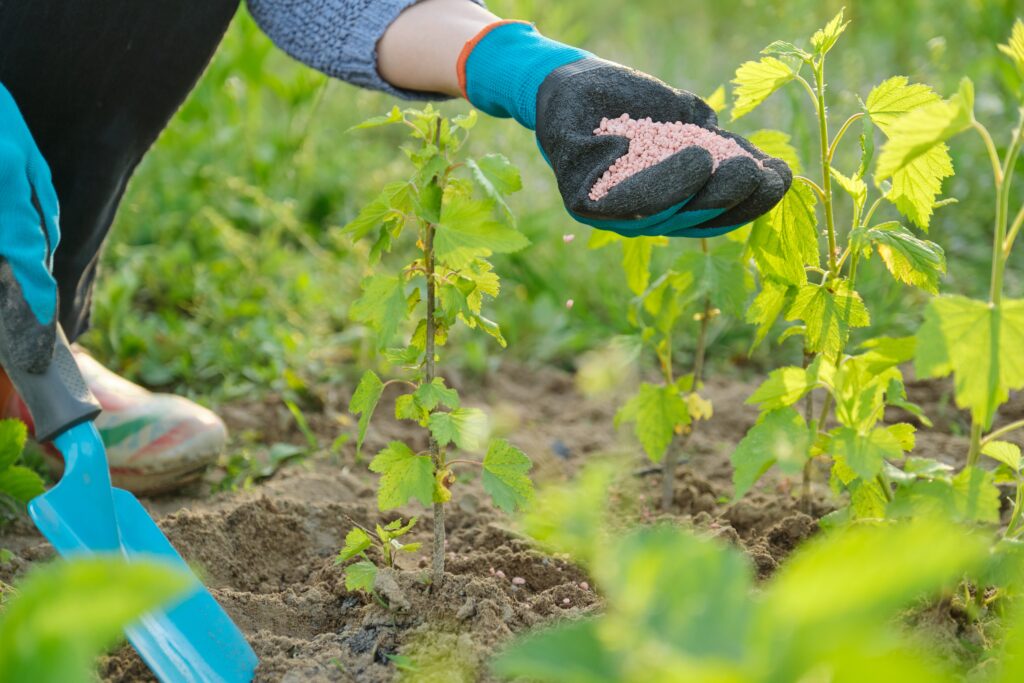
(502, 67)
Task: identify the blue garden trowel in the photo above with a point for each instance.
(192, 641)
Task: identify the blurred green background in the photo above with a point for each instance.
(226, 274)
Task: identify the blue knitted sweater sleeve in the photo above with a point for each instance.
(337, 37)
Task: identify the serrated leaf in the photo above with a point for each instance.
(828, 317)
(781, 48)
(406, 408)
(468, 230)
(916, 186)
(393, 116)
(980, 345)
(855, 187)
(382, 306)
(825, 38)
(1014, 47)
(13, 434)
(63, 614)
(781, 436)
(767, 306)
(656, 410)
(719, 274)
(636, 260)
(465, 427)
(777, 144)
(360, 576)
(1004, 452)
(909, 259)
(21, 483)
(404, 476)
(497, 177)
(430, 395)
(916, 133)
(866, 453)
(394, 197)
(784, 387)
(505, 476)
(356, 542)
(893, 98)
(364, 402)
(755, 81)
(786, 239)
(976, 495)
(882, 353)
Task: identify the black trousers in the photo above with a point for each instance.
(97, 80)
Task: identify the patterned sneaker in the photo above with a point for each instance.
(155, 442)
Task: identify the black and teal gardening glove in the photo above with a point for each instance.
(28, 237)
(563, 94)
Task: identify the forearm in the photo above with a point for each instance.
(420, 50)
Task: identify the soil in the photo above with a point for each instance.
(267, 553)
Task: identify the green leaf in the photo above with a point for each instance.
(717, 100)
(786, 239)
(468, 230)
(404, 476)
(360, 576)
(882, 353)
(636, 260)
(755, 81)
(895, 97)
(768, 305)
(855, 187)
(356, 541)
(430, 395)
(781, 436)
(866, 453)
(828, 316)
(1014, 47)
(916, 186)
(824, 39)
(465, 427)
(571, 652)
(977, 497)
(393, 116)
(656, 410)
(719, 274)
(382, 306)
(406, 408)
(784, 387)
(393, 198)
(1004, 452)
(919, 131)
(777, 144)
(909, 259)
(781, 48)
(13, 434)
(505, 476)
(21, 483)
(64, 614)
(497, 177)
(980, 345)
(364, 402)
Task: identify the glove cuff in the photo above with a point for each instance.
(501, 68)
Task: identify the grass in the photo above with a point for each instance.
(225, 274)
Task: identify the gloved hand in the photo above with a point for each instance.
(562, 93)
(28, 238)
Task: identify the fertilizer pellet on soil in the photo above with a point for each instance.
(651, 142)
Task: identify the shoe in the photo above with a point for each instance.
(155, 443)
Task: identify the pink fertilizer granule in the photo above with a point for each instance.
(651, 142)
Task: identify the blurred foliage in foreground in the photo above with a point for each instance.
(680, 607)
(225, 271)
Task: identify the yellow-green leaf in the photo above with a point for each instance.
(1014, 47)
(656, 411)
(777, 144)
(909, 259)
(755, 81)
(828, 316)
(505, 476)
(780, 437)
(1004, 452)
(786, 239)
(364, 402)
(465, 427)
(404, 476)
(382, 306)
(824, 38)
(895, 97)
(916, 186)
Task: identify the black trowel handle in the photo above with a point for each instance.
(57, 398)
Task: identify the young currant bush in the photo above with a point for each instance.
(978, 342)
(455, 209)
(699, 286)
(361, 575)
(820, 295)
